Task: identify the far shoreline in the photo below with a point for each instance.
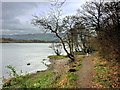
(10, 40)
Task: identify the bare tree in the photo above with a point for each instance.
(68, 25)
(92, 14)
(57, 47)
(53, 24)
(110, 35)
(77, 34)
(104, 17)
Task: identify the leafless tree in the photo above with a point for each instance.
(57, 47)
(104, 18)
(77, 33)
(110, 35)
(92, 14)
(53, 23)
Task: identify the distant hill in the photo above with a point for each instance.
(9, 40)
(41, 37)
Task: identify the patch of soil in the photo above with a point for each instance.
(60, 66)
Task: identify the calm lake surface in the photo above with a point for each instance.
(19, 54)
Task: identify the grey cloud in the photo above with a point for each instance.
(16, 8)
(0, 15)
(11, 10)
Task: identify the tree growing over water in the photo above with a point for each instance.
(57, 48)
(53, 24)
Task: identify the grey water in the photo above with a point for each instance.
(20, 54)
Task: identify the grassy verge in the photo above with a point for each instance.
(55, 57)
(71, 75)
(38, 80)
(66, 80)
(80, 53)
(78, 63)
(107, 74)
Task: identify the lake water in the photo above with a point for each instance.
(19, 54)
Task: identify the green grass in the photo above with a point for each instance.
(41, 80)
(55, 57)
(72, 76)
(80, 53)
(66, 80)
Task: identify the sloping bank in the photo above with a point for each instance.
(60, 74)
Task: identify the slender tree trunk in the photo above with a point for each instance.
(68, 54)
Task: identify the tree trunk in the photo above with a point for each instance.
(68, 54)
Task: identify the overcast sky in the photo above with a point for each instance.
(16, 16)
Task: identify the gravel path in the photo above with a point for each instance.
(85, 73)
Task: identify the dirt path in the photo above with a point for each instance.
(85, 73)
